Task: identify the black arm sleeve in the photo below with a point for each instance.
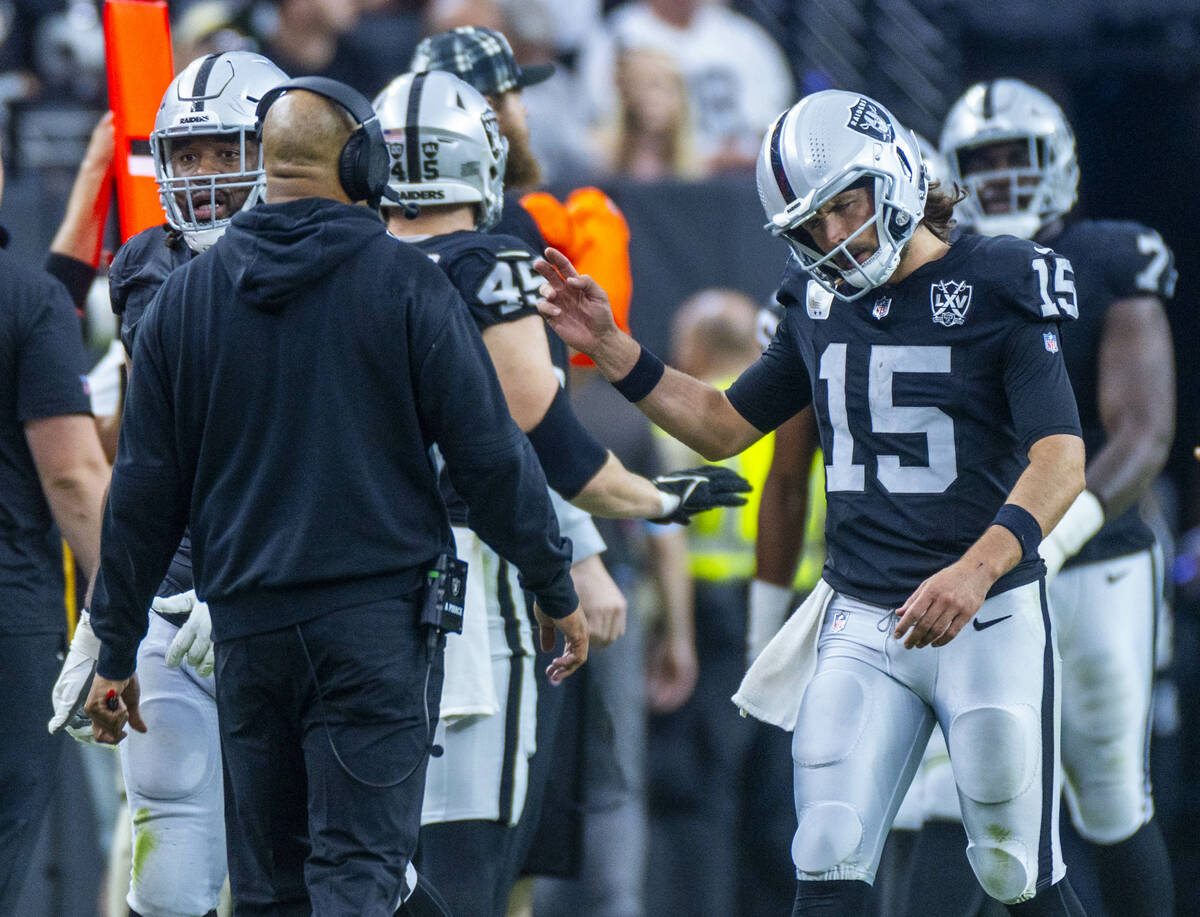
(490, 461)
(1035, 378)
(144, 518)
(75, 275)
(569, 454)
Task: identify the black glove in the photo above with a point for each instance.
(701, 489)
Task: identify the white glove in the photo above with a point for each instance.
(1079, 523)
(70, 690)
(768, 607)
(194, 639)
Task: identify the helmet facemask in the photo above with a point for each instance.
(200, 205)
(1014, 200)
(838, 271)
(1010, 146)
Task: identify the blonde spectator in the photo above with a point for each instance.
(652, 136)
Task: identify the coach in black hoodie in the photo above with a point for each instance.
(289, 384)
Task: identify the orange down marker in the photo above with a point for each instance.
(137, 37)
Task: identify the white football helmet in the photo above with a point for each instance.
(1015, 199)
(818, 148)
(213, 95)
(445, 143)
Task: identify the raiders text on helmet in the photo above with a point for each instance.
(822, 145)
(214, 95)
(445, 143)
(1030, 195)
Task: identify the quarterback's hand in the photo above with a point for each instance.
(74, 679)
(111, 705)
(575, 306)
(574, 628)
(600, 599)
(194, 639)
(698, 489)
(942, 605)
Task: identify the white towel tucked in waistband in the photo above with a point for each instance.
(774, 685)
(468, 688)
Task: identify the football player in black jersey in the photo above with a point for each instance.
(448, 161)
(207, 163)
(1010, 145)
(951, 441)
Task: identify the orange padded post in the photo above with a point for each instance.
(137, 36)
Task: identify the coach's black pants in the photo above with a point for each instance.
(304, 836)
(29, 755)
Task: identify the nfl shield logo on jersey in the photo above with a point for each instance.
(949, 300)
(839, 622)
(882, 307)
(1051, 342)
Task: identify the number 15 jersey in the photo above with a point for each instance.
(928, 395)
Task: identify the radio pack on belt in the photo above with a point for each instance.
(445, 592)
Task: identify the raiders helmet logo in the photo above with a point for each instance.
(950, 300)
(868, 118)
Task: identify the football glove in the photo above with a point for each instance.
(194, 640)
(70, 690)
(695, 490)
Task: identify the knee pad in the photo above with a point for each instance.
(180, 753)
(995, 752)
(828, 833)
(1001, 865)
(832, 717)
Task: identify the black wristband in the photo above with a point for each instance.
(1023, 526)
(642, 378)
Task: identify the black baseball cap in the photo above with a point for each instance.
(479, 56)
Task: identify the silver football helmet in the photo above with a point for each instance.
(1011, 147)
(214, 95)
(822, 145)
(445, 143)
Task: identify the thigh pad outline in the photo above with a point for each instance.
(995, 752)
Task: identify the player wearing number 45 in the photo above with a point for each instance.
(1012, 147)
(952, 444)
(449, 155)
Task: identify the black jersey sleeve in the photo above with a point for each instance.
(138, 270)
(778, 385)
(497, 280)
(1039, 283)
(51, 370)
(1137, 260)
(1035, 379)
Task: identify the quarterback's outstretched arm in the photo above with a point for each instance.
(693, 412)
(576, 466)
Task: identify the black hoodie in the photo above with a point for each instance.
(289, 384)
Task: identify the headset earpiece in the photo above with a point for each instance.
(364, 163)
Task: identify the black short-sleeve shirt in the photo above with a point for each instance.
(44, 367)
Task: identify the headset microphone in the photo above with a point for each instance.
(411, 210)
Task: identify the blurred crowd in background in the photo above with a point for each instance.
(662, 103)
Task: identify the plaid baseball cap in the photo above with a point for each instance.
(479, 56)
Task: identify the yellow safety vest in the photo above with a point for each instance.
(721, 542)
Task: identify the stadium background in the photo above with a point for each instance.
(1127, 75)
